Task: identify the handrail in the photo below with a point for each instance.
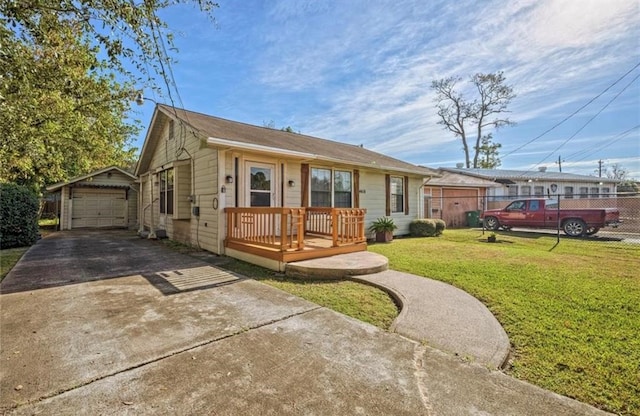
(275, 228)
(284, 229)
(343, 225)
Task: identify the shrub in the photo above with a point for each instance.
(440, 226)
(18, 216)
(428, 227)
(422, 228)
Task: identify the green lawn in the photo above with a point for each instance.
(572, 312)
(357, 300)
(9, 258)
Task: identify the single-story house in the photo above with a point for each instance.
(267, 196)
(456, 199)
(106, 198)
(514, 184)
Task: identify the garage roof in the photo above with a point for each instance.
(60, 185)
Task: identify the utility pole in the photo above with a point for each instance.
(600, 162)
(559, 162)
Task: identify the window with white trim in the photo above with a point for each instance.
(538, 190)
(525, 190)
(166, 191)
(584, 192)
(594, 192)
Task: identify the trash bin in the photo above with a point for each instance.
(473, 218)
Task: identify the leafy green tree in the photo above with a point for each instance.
(469, 118)
(128, 33)
(61, 114)
(67, 69)
(489, 153)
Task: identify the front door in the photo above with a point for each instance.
(261, 191)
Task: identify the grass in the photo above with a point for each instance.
(572, 312)
(356, 300)
(8, 258)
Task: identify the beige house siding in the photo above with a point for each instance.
(201, 166)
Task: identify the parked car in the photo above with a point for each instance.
(544, 213)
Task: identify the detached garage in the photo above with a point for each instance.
(103, 199)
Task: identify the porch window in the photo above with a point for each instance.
(331, 188)
(397, 194)
(166, 192)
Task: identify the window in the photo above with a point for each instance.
(166, 191)
(534, 205)
(568, 192)
(605, 192)
(331, 188)
(513, 192)
(342, 189)
(594, 192)
(397, 194)
(171, 130)
(584, 192)
(525, 190)
(538, 190)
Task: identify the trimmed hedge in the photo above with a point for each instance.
(18, 216)
(427, 227)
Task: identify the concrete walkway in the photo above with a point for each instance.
(431, 312)
(106, 323)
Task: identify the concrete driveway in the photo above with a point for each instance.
(107, 323)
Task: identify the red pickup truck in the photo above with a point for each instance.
(543, 213)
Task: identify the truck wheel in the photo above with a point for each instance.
(491, 223)
(574, 227)
(592, 230)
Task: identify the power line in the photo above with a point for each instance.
(590, 120)
(585, 153)
(572, 114)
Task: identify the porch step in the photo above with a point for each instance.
(339, 266)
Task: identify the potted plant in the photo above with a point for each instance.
(491, 238)
(383, 227)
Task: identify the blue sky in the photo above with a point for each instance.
(360, 72)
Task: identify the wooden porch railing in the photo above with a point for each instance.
(284, 229)
(343, 225)
(276, 228)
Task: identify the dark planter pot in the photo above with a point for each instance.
(491, 239)
(384, 237)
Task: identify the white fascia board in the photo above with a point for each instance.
(259, 148)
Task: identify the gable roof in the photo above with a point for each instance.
(461, 181)
(226, 133)
(509, 176)
(59, 185)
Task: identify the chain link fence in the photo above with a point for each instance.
(465, 209)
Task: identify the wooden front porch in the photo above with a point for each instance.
(293, 234)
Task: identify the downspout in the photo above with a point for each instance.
(421, 198)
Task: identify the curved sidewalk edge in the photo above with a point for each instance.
(444, 317)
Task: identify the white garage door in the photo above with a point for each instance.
(94, 207)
